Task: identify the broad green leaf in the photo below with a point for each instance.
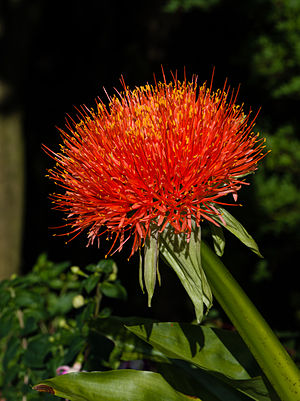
(236, 228)
(218, 239)
(114, 385)
(218, 350)
(184, 257)
(221, 353)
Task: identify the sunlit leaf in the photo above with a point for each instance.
(236, 228)
(114, 385)
(219, 350)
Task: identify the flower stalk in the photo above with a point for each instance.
(260, 339)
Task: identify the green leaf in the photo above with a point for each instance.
(222, 354)
(218, 239)
(90, 283)
(60, 305)
(56, 283)
(193, 381)
(196, 382)
(236, 228)
(5, 297)
(184, 257)
(9, 323)
(30, 326)
(105, 312)
(37, 350)
(103, 266)
(115, 385)
(11, 373)
(151, 253)
(75, 347)
(218, 350)
(113, 290)
(24, 298)
(47, 269)
(13, 346)
(86, 313)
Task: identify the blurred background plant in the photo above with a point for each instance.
(45, 317)
(56, 55)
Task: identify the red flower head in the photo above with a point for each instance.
(156, 156)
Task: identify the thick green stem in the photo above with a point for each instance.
(262, 342)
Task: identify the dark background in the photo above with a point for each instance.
(59, 54)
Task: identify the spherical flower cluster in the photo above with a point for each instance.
(156, 156)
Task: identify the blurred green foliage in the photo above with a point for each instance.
(44, 322)
(276, 64)
(186, 5)
(277, 53)
(277, 185)
(265, 53)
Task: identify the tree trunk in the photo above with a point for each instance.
(11, 192)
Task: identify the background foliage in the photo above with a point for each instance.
(45, 318)
(56, 55)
